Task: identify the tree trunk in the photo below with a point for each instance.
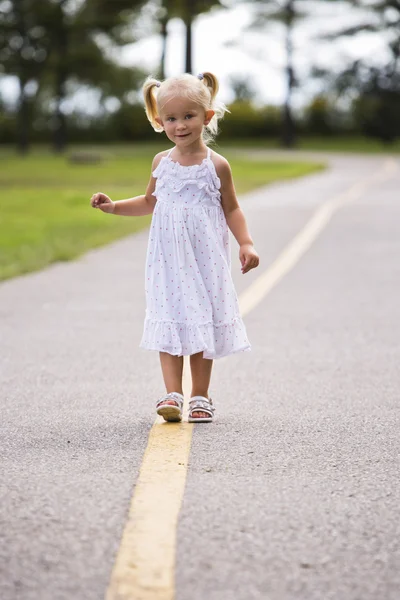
(164, 37)
(60, 129)
(61, 75)
(289, 134)
(188, 61)
(23, 103)
(23, 119)
(190, 13)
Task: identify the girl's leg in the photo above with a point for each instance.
(172, 369)
(201, 374)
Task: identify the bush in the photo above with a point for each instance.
(378, 114)
(8, 127)
(130, 123)
(318, 117)
(246, 121)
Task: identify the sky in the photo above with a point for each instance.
(222, 44)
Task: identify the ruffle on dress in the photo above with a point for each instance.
(180, 339)
(175, 176)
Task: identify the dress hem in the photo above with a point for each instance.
(207, 355)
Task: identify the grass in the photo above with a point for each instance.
(352, 144)
(44, 207)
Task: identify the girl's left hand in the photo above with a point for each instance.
(248, 257)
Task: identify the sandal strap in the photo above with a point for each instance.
(200, 404)
(172, 396)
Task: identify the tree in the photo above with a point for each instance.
(373, 87)
(168, 9)
(373, 96)
(48, 43)
(189, 10)
(164, 18)
(288, 14)
(76, 52)
(24, 52)
(242, 88)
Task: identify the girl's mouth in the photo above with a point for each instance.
(182, 135)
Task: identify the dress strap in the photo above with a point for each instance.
(170, 152)
(213, 170)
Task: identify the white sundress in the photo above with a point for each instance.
(191, 300)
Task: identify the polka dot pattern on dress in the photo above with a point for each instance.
(191, 300)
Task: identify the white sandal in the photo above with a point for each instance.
(201, 404)
(170, 412)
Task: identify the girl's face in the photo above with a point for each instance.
(183, 120)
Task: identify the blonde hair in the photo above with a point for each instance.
(201, 89)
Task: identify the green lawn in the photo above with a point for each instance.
(45, 214)
(358, 144)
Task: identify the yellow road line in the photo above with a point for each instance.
(145, 564)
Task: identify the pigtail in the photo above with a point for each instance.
(150, 102)
(211, 82)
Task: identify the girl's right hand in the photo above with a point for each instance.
(103, 202)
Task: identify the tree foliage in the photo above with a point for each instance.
(48, 43)
(373, 86)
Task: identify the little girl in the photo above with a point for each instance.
(192, 307)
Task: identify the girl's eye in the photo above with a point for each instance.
(188, 116)
(171, 119)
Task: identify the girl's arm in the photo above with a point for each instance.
(235, 217)
(131, 207)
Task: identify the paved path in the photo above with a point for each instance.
(293, 493)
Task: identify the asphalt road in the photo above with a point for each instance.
(293, 492)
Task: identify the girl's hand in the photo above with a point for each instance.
(103, 202)
(248, 257)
